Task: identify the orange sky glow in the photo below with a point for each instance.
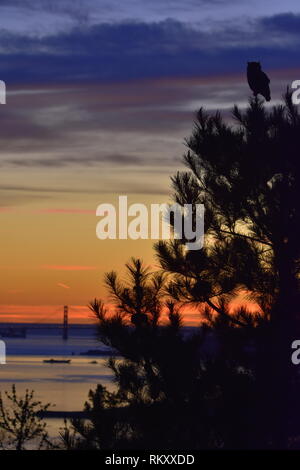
(132, 138)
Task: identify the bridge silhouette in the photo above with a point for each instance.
(17, 331)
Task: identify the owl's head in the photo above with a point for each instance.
(254, 65)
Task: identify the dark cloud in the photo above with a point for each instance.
(122, 187)
(87, 7)
(134, 50)
(65, 160)
(286, 23)
(76, 9)
(40, 189)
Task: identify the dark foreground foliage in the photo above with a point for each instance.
(172, 391)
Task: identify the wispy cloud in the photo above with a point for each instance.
(107, 138)
(65, 211)
(64, 286)
(68, 268)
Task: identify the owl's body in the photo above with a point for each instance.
(258, 80)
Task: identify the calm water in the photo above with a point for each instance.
(64, 385)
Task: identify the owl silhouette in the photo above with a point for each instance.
(258, 80)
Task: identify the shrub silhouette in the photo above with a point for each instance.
(21, 421)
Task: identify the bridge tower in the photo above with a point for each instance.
(65, 323)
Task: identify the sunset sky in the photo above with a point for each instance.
(100, 96)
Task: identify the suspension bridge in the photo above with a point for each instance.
(18, 331)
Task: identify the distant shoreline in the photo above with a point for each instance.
(46, 325)
(63, 414)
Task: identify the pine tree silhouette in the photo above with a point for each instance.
(172, 391)
(247, 176)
